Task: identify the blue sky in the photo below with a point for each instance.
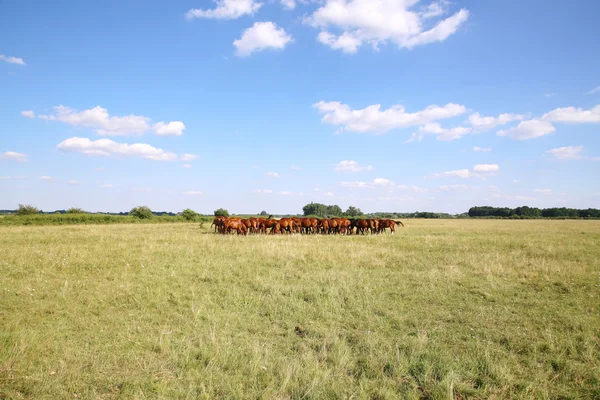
(388, 105)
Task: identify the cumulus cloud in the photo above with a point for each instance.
(261, 36)
(98, 118)
(288, 4)
(226, 9)
(528, 130)
(352, 166)
(13, 156)
(546, 192)
(454, 188)
(567, 153)
(443, 134)
(372, 119)
(478, 171)
(188, 157)
(12, 60)
(378, 22)
(273, 174)
(106, 147)
(262, 191)
(381, 183)
(484, 124)
(47, 178)
(573, 115)
(482, 149)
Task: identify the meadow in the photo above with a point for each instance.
(443, 309)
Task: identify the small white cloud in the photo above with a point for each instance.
(262, 191)
(454, 188)
(288, 4)
(459, 173)
(142, 189)
(13, 156)
(567, 153)
(478, 171)
(486, 168)
(74, 182)
(285, 193)
(186, 166)
(484, 124)
(106, 147)
(550, 94)
(574, 115)
(192, 193)
(442, 134)
(272, 174)
(173, 128)
(12, 60)
(352, 166)
(594, 90)
(226, 9)
(261, 36)
(546, 192)
(482, 149)
(372, 119)
(383, 182)
(516, 181)
(189, 157)
(28, 114)
(108, 186)
(47, 178)
(531, 129)
(295, 168)
(525, 198)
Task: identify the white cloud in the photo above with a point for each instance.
(47, 178)
(74, 182)
(261, 36)
(528, 130)
(192, 193)
(285, 193)
(526, 198)
(546, 192)
(188, 157)
(12, 60)
(288, 4)
(380, 183)
(173, 128)
(13, 156)
(108, 186)
(226, 9)
(272, 174)
(482, 149)
(550, 94)
(383, 182)
(483, 124)
(486, 168)
(443, 134)
(142, 189)
(594, 90)
(97, 118)
(352, 166)
(262, 191)
(478, 171)
(567, 153)
(454, 188)
(574, 115)
(106, 147)
(295, 168)
(516, 181)
(372, 120)
(378, 22)
(186, 166)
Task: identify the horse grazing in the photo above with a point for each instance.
(234, 224)
(218, 223)
(389, 223)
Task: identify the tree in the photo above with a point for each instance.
(26, 209)
(334, 211)
(317, 209)
(189, 215)
(221, 212)
(75, 210)
(263, 213)
(141, 212)
(353, 212)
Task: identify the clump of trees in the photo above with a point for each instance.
(189, 215)
(26, 209)
(221, 212)
(533, 212)
(141, 212)
(322, 210)
(74, 210)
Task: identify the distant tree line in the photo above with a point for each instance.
(532, 212)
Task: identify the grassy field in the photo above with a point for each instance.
(444, 309)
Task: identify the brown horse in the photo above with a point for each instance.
(287, 225)
(218, 223)
(389, 223)
(266, 224)
(323, 226)
(234, 224)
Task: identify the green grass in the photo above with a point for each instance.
(77, 219)
(445, 308)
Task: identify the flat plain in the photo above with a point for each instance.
(442, 309)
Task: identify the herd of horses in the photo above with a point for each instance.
(328, 226)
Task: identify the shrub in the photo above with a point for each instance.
(141, 212)
(26, 209)
(189, 214)
(75, 210)
(221, 212)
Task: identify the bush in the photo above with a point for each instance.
(75, 210)
(26, 209)
(141, 212)
(189, 214)
(221, 212)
